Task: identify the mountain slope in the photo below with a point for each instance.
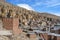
(27, 17)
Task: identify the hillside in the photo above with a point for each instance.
(27, 17)
(23, 24)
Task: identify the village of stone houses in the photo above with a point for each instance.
(17, 23)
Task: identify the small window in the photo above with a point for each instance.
(2, 10)
(30, 29)
(8, 15)
(47, 19)
(28, 35)
(50, 19)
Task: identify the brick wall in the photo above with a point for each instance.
(58, 38)
(8, 23)
(49, 37)
(16, 29)
(44, 36)
(12, 24)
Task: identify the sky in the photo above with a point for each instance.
(50, 6)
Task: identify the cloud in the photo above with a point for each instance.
(26, 6)
(37, 4)
(47, 3)
(52, 3)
